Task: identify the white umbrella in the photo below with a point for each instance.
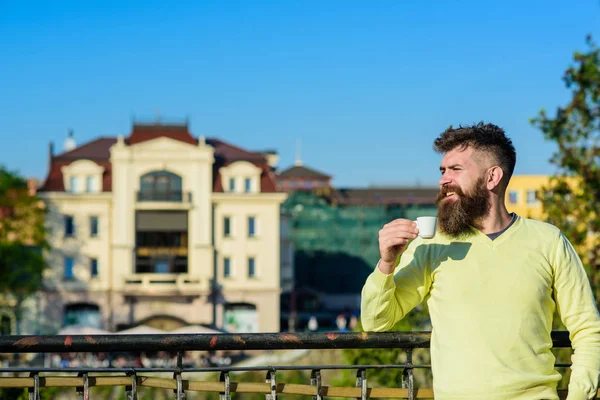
(141, 330)
(196, 329)
(82, 330)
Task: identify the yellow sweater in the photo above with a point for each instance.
(491, 304)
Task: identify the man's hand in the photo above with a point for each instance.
(393, 240)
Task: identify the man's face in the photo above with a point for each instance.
(464, 197)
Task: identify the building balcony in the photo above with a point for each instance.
(165, 196)
(161, 261)
(161, 284)
(163, 200)
(161, 251)
(183, 377)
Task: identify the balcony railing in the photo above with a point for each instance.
(132, 379)
(161, 282)
(148, 251)
(166, 196)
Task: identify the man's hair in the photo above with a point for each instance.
(486, 138)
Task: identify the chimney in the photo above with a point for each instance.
(272, 159)
(70, 143)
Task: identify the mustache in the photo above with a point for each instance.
(444, 190)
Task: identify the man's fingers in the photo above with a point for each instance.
(396, 234)
(394, 241)
(400, 222)
(406, 233)
(398, 227)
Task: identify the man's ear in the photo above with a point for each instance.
(494, 177)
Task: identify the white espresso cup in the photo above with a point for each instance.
(427, 226)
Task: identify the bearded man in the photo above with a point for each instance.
(492, 281)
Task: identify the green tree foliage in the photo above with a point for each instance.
(22, 213)
(22, 240)
(571, 200)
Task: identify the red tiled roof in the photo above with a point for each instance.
(143, 132)
(267, 179)
(98, 150)
(226, 153)
(231, 152)
(54, 180)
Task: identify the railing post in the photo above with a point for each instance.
(224, 377)
(34, 392)
(131, 391)
(83, 392)
(361, 382)
(315, 380)
(179, 392)
(271, 379)
(407, 375)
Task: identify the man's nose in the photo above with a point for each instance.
(444, 180)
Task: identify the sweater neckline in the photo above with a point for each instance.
(507, 234)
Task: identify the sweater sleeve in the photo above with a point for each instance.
(386, 299)
(577, 308)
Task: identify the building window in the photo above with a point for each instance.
(226, 267)
(251, 226)
(73, 184)
(247, 185)
(531, 196)
(513, 197)
(161, 186)
(90, 184)
(87, 314)
(68, 272)
(93, 226)
(69, 225)
(226, 226)
(232, 184)
(251, 267)
(93, 267)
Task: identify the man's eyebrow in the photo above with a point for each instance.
(442, 168)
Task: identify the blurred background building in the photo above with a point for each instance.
(164, 229)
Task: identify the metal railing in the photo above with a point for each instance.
(165, 196)
(133, 378)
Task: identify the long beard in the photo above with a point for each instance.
(457, 216)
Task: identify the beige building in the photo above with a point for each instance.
(164, 229)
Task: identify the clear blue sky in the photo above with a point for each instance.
(366, 85)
